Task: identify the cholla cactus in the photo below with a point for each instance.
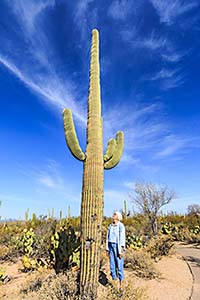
(93, 176)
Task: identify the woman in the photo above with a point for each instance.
(115, 247)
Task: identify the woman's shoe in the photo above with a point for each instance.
(115, 284)
(121, 286)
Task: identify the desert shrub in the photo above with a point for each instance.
(129, 293)
(159, 247)
(9, 234)
(140, 262)
(54, 287)
(32, 286)
(4, 252)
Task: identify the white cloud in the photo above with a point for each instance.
(129, 159)
(168, 11)
(172, 57)
(38, 68)
(119, 10)
(28, 11)
(50, 89)
(141, 125)
(173, 144)
(129, 184)
(48, 175)
(172, 82)
(85, 18)
(152, 42)
(169, 78)
(164, 73)
(143, 129)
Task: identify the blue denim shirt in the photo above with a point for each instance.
(116, 234)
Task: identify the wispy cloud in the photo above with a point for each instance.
(143, 128)
(120, 10)
(29, 11)
(172, 57)
(169, 78)
(172, 82)
(48, 175)
(137, 124)
(174, 144)
(38, 67)
(152, 41)
(169, 11)
(85, 17)
(148, 135)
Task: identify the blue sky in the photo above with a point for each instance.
(150, 62)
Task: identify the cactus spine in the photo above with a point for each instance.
(93, 175)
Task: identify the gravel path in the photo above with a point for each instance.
(191, 254)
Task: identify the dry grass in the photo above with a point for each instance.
(141, 264)
(54, 287)
(129, 293)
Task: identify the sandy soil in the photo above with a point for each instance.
(175, 282)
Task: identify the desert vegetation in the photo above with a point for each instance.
(49, 248)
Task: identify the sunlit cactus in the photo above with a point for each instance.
(93, 175)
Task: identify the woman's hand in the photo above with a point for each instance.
(120, 256)
(107, 253)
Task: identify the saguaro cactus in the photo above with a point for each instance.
(93, 175)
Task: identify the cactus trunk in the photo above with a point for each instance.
(92, 189)
(93, 175)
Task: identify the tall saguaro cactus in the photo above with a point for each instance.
(93, 175)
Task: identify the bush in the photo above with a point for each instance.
(129, 293)
(54, 287)
(159, 247)
(140, 262)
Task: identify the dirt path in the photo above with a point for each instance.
(191, 254)
(175, 282)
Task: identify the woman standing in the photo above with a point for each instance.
(115, 247)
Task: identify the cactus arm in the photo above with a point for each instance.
(118, 152)
(110, 150)
(70, 135)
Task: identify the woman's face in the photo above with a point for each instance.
(115, 217)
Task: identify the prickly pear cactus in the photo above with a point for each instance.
(93, 175)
